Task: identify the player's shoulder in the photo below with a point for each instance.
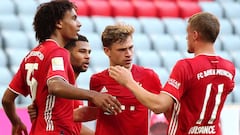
(191, 61)
(50, 47)
(100, 74)
(142, 70)
(227, 64)
(225, 60)
(139, 68)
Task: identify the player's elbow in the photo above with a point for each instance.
(163, 103)
(161, 106)
(8, 98)
(156, 109)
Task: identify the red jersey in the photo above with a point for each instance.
(134, 117)
(200, 86)
(78, 125)
(47, 60)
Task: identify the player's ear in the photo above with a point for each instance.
(106, 51)
(59, 24)
(195, 35)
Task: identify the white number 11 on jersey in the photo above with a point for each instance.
(217, 102)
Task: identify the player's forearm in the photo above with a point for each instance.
(152, 101)
(146, 98)
(85, 114)
(11, 113)
(9, 107)
(62, 89)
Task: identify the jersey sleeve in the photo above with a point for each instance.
(175, 84)
(59, 64)
(232, 69)
(18, 83)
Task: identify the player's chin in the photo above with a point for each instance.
(84, 69)
(75, 37)
(127, 65)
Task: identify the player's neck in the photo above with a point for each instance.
(129, 68)
(76, 74)
(206, 48)
(60, 41)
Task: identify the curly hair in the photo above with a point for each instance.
(47, 15)
(72, 43)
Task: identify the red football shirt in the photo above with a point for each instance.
(78, 125)
(200, 86)
(134, 118)
(47, 60)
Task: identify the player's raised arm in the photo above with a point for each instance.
(156, 102)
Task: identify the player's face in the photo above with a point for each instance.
(80, 56)
(69, 25)
(190, 37)
(121, 54)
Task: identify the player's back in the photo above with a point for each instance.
(208, 81)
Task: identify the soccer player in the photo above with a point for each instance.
(47, 75)
(133, 120)
(197, 88)
(79, 56)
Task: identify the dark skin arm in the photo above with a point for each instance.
(18, 128)
(57, 86)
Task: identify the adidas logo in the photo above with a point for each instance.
(104, 89)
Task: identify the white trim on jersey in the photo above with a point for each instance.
(57, 76)
(48, 112)
(14, 91)
(173, 125)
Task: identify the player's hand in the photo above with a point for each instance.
(107, 102)
(19, 129)
(32, 111)
(120, 74)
